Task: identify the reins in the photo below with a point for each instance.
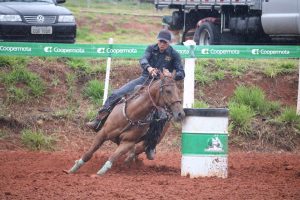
(146, 120)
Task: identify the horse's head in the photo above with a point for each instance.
(169, 95)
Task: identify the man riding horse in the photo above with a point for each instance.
(156, 57)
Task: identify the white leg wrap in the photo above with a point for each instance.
(76, 166)
(105, 168)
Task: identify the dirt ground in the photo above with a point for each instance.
(29, 175)
(39, 175)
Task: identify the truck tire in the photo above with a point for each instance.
(207, 34)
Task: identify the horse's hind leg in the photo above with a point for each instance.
(123, 148)
(140, 147)
(88, 155)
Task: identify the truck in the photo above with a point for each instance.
(213, 22)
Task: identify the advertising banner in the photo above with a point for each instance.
(137, 51)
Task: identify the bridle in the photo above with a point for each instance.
(162, 85)
(157, 107)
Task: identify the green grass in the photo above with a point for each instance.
(67, 113)
(241, 117)
(13, 61)
(71, 80)
(91, 114)
(287, 66)
(94, 90)
(209, 70)
(200, 104)
(254, 97)
(114, 7)
(22, 84)
(289, 116)
(88, 66)
(36, 140)
(112, 19)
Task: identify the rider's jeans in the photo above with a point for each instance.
(125, 89)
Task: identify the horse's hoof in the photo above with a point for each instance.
(94, 176)
(67, 171)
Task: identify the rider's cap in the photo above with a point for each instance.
(164, 35)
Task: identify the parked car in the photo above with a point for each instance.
(36, 21)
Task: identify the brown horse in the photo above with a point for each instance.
(127, 122)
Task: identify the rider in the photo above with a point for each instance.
(156, 57)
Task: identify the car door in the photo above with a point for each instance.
(281, 17)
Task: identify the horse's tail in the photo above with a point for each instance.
(154, 132)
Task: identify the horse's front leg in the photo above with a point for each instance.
(100, 138)
(123, 148)
(131, 156)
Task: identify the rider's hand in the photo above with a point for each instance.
(167, 72)
(152, 71)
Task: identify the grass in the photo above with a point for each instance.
(67, 113)
(71, 78)
(241, 117)
(289, 116)
(254, 97)
(12, 61)
(209, 70)
(112, 19)
(36, 140)
(87, 66)
(22, 84)
(94, 90)
(200, 104)
(91, 114)
(115, 7)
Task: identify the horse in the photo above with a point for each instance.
(127, 123)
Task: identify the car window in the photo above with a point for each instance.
(47, 1)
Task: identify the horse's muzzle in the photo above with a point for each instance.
(178, 115)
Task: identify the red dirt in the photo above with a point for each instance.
(29, 175)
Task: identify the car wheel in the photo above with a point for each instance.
(207, 34)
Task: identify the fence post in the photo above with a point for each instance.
(298, 98)
(189, 68)
(107, 75)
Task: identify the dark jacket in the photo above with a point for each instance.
(169, 59)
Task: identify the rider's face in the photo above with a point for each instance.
(162, 45)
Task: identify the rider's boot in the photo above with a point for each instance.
(150, 153)
(97, 123)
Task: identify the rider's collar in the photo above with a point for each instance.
(156, 48)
